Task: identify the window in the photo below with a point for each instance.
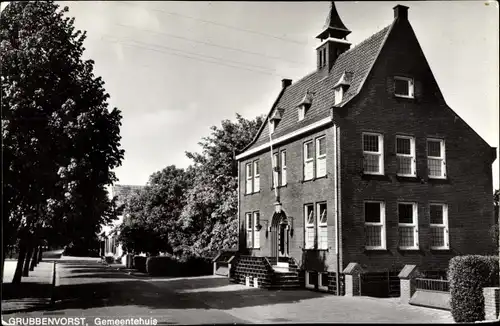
(436, 163)
(283, 168)
(256, 233)
(439, 226)
(272, 126)
(249, 178)
(375, 225)
(408, 226)
(320, 157)
(310, 235)
(403, 87)
(275, 170)
(248, 218)
(405, 153)
(256, 177)
(339, 92)
(322, 226)
(373, 153)
(323, 281)
(302, 112)
(308, 161)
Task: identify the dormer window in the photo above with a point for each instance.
(339, 93)
(275, 119)
(342, 86)
(304, 105)
(403, 87)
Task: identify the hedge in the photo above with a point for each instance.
(467, 276)
(140, 263)
(162, 266)
(170, 266)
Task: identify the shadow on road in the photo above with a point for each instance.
(25, 290)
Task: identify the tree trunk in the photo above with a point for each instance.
(34, 258)
(3, 260)
(20, 261)
(26, 267)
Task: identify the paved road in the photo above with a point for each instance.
(88, 289)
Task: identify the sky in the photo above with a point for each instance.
(176, 68)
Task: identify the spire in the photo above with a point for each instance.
(334, 27)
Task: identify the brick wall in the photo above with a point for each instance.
(467, 190)
(293, 197)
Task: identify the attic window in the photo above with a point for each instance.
(275, 119)
(339, 93)
(403, 87)
(304, 105)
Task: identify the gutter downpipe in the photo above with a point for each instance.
(275, 181)
(337, 204)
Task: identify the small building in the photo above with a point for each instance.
(361, 161)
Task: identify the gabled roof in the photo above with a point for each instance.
(359, 61)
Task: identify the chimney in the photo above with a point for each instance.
(401, 11)
(286, 82)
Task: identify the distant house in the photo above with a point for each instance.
(361, 161)
(109, 244)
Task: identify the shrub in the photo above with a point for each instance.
(162, 266)
(468, 275)
(140, 263)
(196, 266)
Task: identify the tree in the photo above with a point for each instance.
(154, 212)
(60, 141)
(209, 218)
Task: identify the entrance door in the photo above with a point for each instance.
(283, 241)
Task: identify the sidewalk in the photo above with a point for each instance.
(33, 293)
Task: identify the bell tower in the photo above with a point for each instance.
(333, 38)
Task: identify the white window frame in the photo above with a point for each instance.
(380, 152)
(411, 155)
(309, 226)
(414, 224)
(302, 112)
(308, 285)
(320, 282)
(339, 94)
(442, 158)
(308, 161)
(249, 178)
(411, 87)
(249, 230)
(443, 226)
(283, 168)
(256, 176)
(381, 224)
(322, 226)
(320, 159)
(275, 171)
(256, 233)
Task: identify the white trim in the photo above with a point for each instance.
(333, 39)
(320, 283)
(411, 87)
(321, 226)
(309, 286)
(283, 176)
(442, 158)
(320, 158)
(309, 226)
(411, 155)
(444, 226)
(380, 152)
(286, 137)
(382, 223)
(414, 224)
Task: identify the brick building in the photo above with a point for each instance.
(361, 161)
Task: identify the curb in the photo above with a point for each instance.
(53, 289)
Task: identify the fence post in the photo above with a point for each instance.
(407, 282)
(352, 279)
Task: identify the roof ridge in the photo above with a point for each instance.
(369, 38)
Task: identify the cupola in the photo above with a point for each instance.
(334, 40)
